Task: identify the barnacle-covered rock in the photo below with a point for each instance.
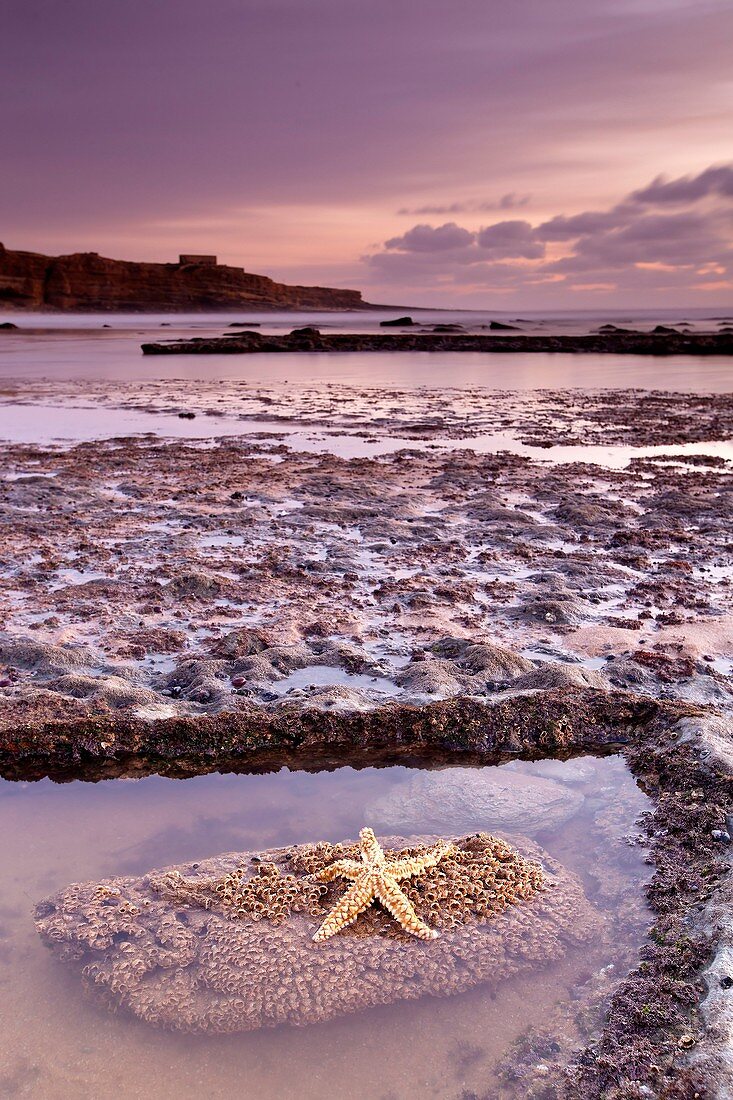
(227, 944)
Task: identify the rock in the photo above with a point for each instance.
(553, 609)
(196, 584)
(44, 658)
(398, 322)
(335, 698)
(200, 681)
(308, 330)
(556, 675)
(664, 330)
(88, 281)
(474, 799)
(7, 325)
(112, 692)
(262, 666)
(187, 416)
(500, 325)
(175, 952)
(437, 677)
(495, 662)
(244, 343)
(240, 643)
(577, 512)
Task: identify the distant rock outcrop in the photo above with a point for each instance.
(86, 281)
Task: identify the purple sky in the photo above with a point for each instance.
(462, 152)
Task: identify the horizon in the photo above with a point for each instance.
(478, 158)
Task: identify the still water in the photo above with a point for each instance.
(58, 1045)
(68, 347)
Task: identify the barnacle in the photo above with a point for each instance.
(225, 945)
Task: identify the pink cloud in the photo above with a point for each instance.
(637, 243)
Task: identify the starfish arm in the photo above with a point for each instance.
(401, 909)
(346, 868)
(356, 899)
(408, 868)
(371, 849)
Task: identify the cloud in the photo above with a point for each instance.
(511, 239)
(717, 181)
(423, 238)
(561, 228)
(672, 234)
(502, 240)
(510, 201)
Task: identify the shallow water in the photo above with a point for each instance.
(64, 425)
(57, 1045)
(59, 348)
(326, 675)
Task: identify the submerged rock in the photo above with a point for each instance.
(470, 799)
(227, 945)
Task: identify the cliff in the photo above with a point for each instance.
(85, 281)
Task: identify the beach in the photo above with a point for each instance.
(321, 562)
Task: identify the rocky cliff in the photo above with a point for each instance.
(85, 281)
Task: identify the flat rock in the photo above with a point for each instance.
(172, 949)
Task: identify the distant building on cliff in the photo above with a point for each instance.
(200, 261)
(87, 283)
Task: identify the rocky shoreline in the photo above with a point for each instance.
(311, 339)
(560, 722)
(178, 607)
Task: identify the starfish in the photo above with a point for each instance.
(375, 878)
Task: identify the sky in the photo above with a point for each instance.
(470, 153)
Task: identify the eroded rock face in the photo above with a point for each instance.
(464, 799)
(85, 280)
(227, 945)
